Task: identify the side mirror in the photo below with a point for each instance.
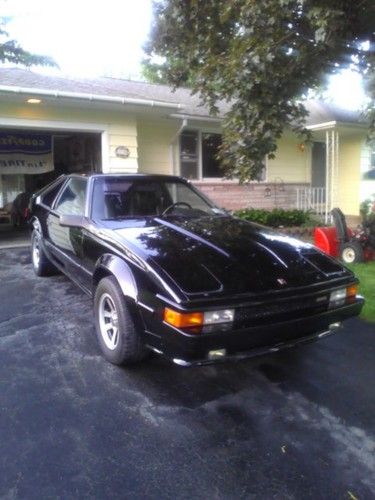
(72, 221)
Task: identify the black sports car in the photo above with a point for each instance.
(172, 273)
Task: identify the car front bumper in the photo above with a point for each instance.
(194, 349)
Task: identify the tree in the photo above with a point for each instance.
(153, 72)
(261, 57)
(11, 51)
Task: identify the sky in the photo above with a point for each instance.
(85, 38)
(105, 38)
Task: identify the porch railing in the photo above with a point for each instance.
(314, 199)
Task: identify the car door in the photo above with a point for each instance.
(65, 242)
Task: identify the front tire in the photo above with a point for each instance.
(41, 264)
(352, 252)
(116, 331)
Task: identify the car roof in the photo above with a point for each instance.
(134, 176)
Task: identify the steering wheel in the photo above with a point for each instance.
(177, 204)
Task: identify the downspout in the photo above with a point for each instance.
(172, 144)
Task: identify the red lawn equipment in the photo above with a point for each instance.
(341, 242)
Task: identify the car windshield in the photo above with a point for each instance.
(119, 197)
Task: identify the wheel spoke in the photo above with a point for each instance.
(114, 336)
(108, 321)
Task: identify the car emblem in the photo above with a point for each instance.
(281, 281)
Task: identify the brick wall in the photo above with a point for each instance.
(233, 196)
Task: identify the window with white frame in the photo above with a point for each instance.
(372, 158)
(370, 173)
(198, 156)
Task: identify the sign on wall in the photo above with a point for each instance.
(25, 153)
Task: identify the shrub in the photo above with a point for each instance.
(276, 217)
(367, 209)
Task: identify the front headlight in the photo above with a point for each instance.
(343, 296)
(197, 319)
(215, 317)
(337, 298)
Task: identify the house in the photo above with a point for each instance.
(50, 125)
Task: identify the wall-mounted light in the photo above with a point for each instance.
(122, 152)
(302, 147)
(34, 101)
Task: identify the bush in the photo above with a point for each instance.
(276, 217)
(367, 209)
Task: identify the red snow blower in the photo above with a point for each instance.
(341, 242)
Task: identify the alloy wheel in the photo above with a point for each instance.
(108, 321)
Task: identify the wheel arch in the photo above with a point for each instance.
(111, 265)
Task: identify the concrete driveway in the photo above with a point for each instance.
(299, 424)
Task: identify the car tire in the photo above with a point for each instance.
(41, 264)
(116, 330)
(352, 252)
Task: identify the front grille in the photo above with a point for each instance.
(280, 311)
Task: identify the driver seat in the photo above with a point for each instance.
(144, 202)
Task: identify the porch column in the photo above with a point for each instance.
(332, 170)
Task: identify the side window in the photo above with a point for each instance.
(72, 199)
(49, 197)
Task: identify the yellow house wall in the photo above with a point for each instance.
(117, 128)
(348, 193)
(291, 163)
(154, 140)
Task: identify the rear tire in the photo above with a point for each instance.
(41, 264)
(116, 331)
(352, 252)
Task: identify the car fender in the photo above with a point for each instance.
(120, 270)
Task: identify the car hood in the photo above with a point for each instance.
(222, 254)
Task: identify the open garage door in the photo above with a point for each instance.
(31, 159)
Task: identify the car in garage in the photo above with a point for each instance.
(171, 273)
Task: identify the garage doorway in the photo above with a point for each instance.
(72, 152)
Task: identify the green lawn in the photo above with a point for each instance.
(366, 275)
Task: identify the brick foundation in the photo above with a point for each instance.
(233, 196)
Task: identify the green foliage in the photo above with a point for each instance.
(276, 217)
(366, 208)
(260, 57)
(366, 274)
(153, 72)
(10, 51)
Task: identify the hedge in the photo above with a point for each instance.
(276, 217)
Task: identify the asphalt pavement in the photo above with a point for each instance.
(298, 424)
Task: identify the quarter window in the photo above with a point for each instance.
(72, 199)
(49, 197)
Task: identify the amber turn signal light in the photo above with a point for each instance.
(183, 320)
(351, 291)
(351, 294)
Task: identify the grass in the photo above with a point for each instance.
(366, 275)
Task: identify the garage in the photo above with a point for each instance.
(30, 159)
